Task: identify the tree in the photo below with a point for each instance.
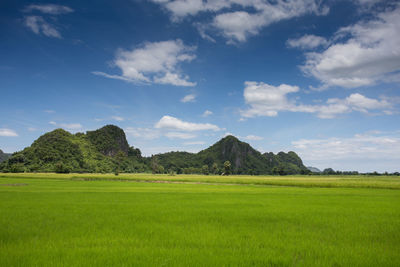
(154, 165)
(215, 168)
(227, 167)
(204, 169)
(119, 158)
(328, 171)
(61, 168)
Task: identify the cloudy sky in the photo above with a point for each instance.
(321, 78)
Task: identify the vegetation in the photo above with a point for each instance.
(62, 152)
(106, 150)
(332, 181)
(57, 220)
(243, 159)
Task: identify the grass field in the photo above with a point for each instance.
(104, 220)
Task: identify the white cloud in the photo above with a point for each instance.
(179, 135)
(239, 24)
(156, 62)
(68, 126)
(49, 111)
(188, 98)
(8, 132)
(168, 122)
(268, 100)
(194, 143)
(363, 54)
(253, 137)
(51, 9)
(207, 113)
(32, 129)
(39, 26)
(365, 152)
(117, 118)
(307, 42)
(143, 133)
(71, 126)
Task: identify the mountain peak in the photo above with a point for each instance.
(109, 140)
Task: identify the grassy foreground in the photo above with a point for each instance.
(81, 220)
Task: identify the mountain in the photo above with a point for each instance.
(107, 150)
(109, 140)
(103, 150)
(314, 169)
(244, 159)
(4, 156)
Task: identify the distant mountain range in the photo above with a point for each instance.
(314, 169)
(107, 150)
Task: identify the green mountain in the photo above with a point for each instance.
(244, 160)
(109, 140)
(3, 156)
(107, 150)
(104, 150)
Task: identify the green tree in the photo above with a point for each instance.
(204, 169)
(227, 167)
(215, 168)
(119, 158)
(154, 165)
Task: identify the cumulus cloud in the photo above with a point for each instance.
(358, 152)
(188, 98)
(51, 9)
(207, 113)
(268, 100)
(237, 25)
(8, 132)
(39, 26)
(363, 53)
(172, 123)
(156, 62)
(307, 42)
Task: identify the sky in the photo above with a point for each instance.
(321, 78)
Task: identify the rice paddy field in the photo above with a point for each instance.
(195, 220)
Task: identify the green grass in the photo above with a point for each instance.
(352, 181)
(65, 220)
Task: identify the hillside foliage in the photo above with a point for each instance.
(106, 150)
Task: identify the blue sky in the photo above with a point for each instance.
(320, 78)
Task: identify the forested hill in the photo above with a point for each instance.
(243, 158)
(104, 150)
(107, 150)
